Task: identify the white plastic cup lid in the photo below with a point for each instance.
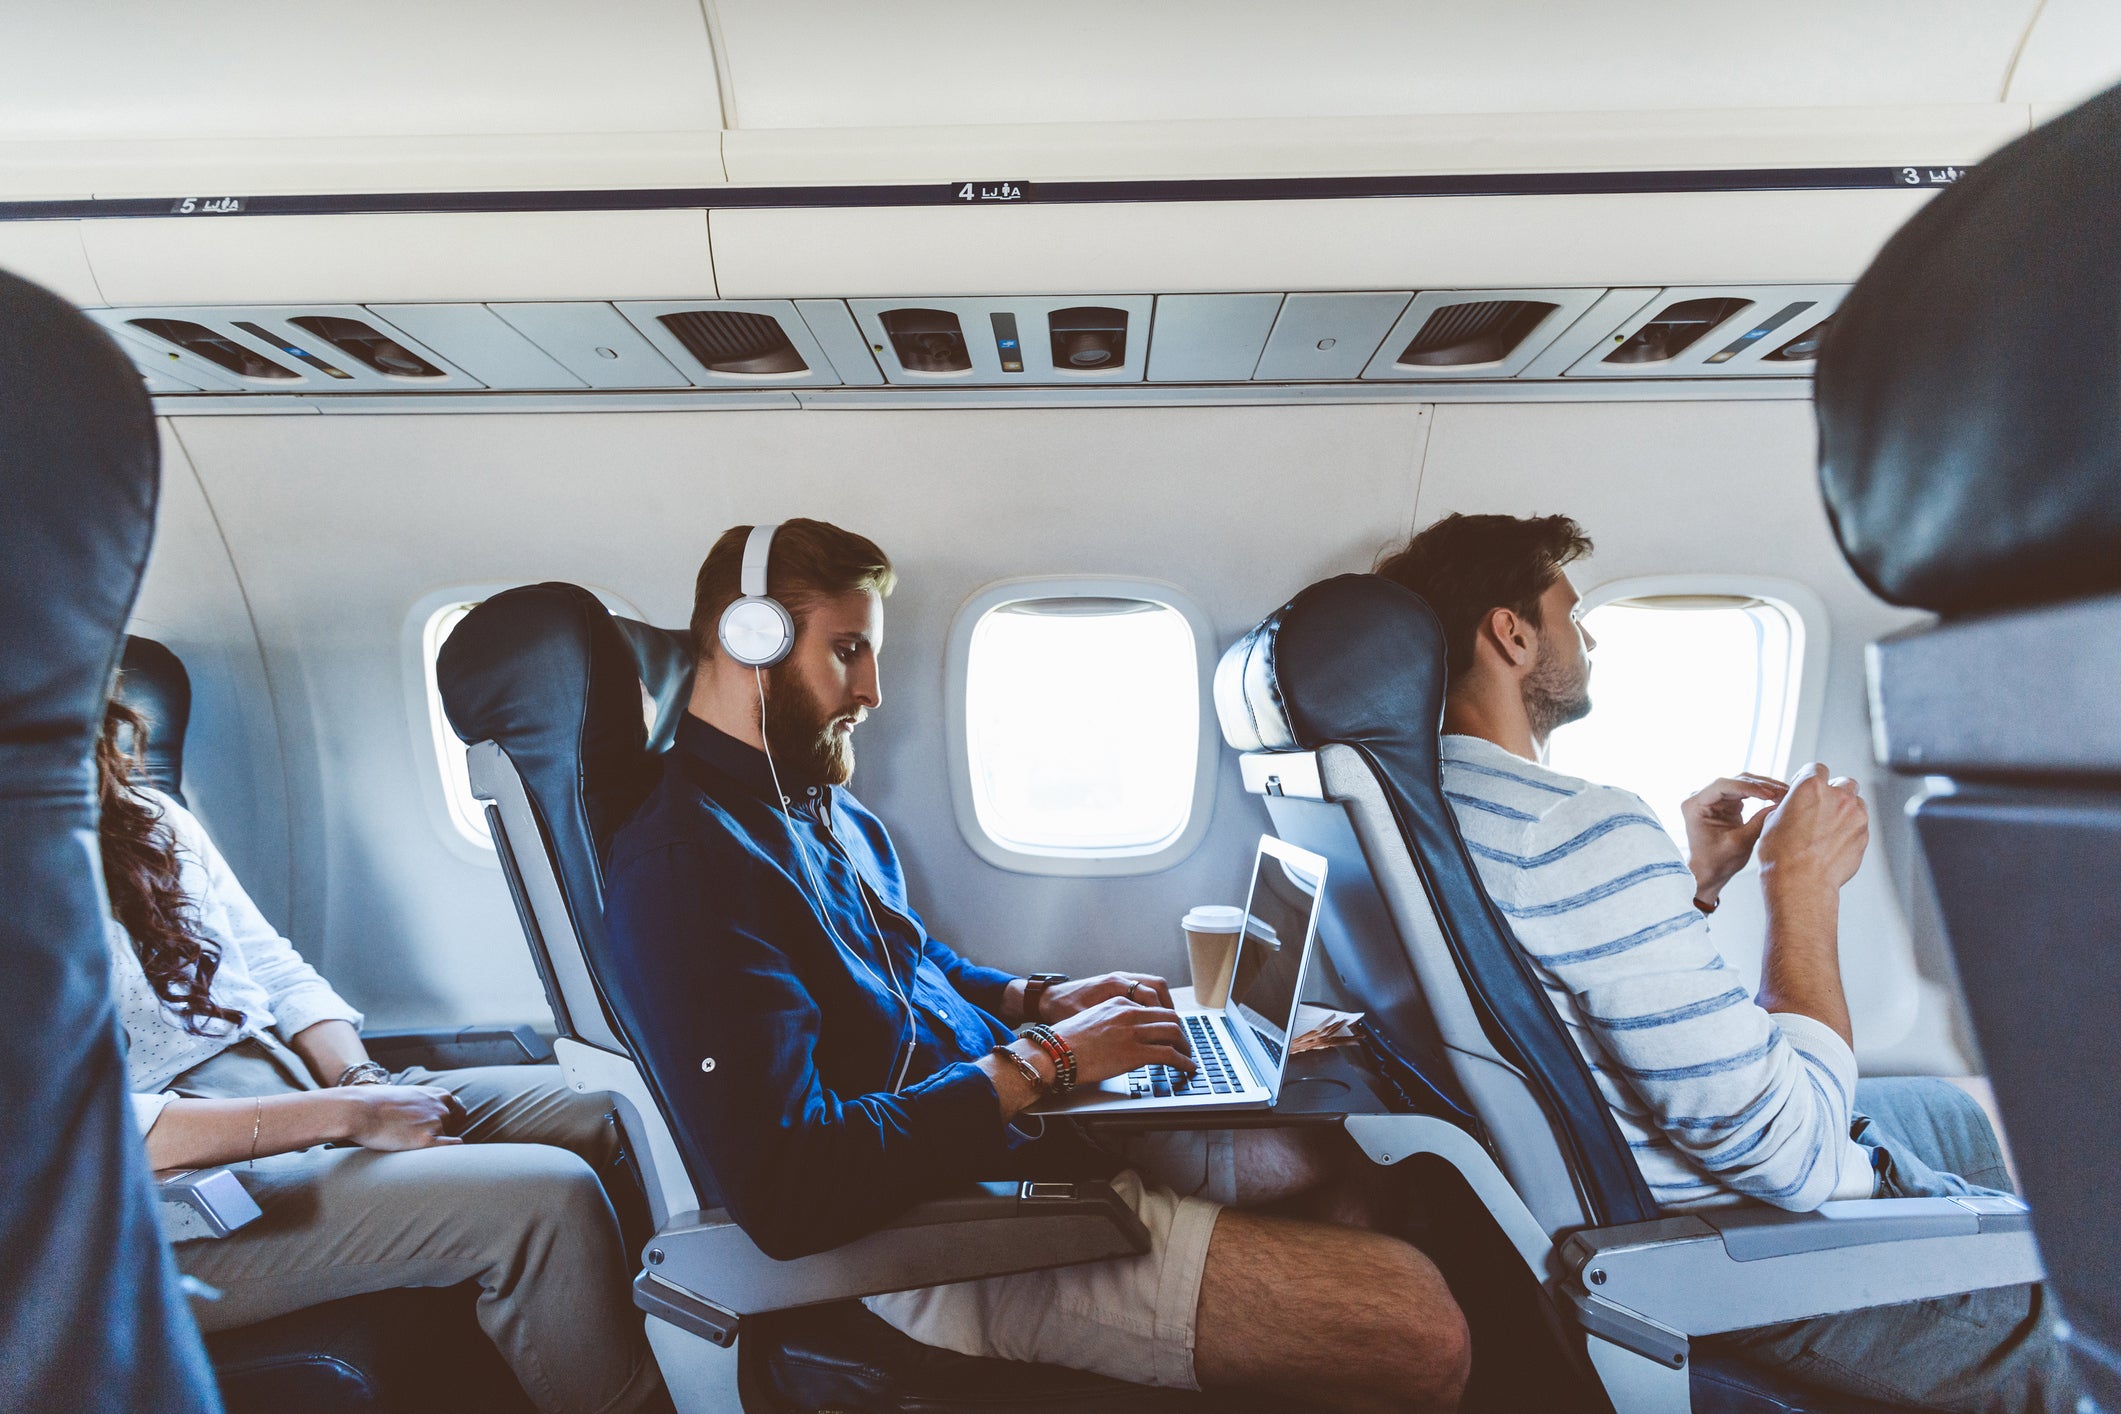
(1215, 918)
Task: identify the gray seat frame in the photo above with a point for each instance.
(1636, 1296)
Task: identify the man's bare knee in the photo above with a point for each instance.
(1354, 1319)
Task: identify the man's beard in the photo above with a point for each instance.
(799, 733)
(1556, 693)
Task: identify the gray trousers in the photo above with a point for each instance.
(515, 1208)
(1984, 1352)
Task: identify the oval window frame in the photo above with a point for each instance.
(957, 663)
(1810, 627)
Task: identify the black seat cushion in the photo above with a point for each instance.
(1359, 661)
(1969, 392)
(417, 1350)
(152, 682)
(89, 1307)
(840, 1357)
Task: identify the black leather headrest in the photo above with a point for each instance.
(152, 682)
(545, 672)
(90, 1300)
(664, 658)
(1969, 392)
(1359, 661)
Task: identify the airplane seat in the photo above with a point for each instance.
(1969, 405)
(90, 1311)
(407, 1349)
(152, 681)
(1335, 702)
(546, 687)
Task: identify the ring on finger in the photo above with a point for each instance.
(1130, 992)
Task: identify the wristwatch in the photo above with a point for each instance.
(1034, 987)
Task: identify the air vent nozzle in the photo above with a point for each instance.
(1675, 329)
(1481, 331)
(927, 340)
(217, 349)
(1088, 338)
(1804, 348)
(367, 345)
(735, 341)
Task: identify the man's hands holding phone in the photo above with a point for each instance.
(1719, 839)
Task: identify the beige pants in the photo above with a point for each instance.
(1132, 1318)
(517, 1209)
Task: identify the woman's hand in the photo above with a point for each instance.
(1066, 999)
(1116, 1035)
(393, 1117)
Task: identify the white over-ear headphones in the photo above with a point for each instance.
(755, 630)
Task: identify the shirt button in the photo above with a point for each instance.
(707, 1065)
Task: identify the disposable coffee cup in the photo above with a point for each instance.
(1212, 932)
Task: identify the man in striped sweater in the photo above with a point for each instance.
(1723, 1094)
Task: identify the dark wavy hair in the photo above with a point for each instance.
(141, 872)
(1469, 566)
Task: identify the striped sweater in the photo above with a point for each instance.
(1718, 1098)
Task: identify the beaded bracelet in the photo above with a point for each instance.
(1057, 1048)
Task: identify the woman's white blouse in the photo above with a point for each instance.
(260, 975)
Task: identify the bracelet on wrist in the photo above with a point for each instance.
(1057, 1049)
(366, 1072)
(1030, 1072)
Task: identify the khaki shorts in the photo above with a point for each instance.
(1130, 1318)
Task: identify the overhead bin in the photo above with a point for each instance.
(1059, 339)
(1716, 332)
(307, 348)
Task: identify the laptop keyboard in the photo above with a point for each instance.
(1216, 1076)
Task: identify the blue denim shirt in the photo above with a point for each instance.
(761, 1004)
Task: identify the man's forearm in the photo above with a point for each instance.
(1802, 969)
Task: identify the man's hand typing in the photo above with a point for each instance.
(1110, 1038)
(1066, 999)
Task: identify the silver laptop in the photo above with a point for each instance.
(1241, 1048)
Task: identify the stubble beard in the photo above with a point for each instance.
(1556, 692)
(799, 733)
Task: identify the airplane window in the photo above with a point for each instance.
(1082, 727)
(465, 811)
(1685, 688)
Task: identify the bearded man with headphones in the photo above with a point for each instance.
(850, 1064)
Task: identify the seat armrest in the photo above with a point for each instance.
(984, 1230)
(1731, 1269)
(453, 1048)
(196, 1203)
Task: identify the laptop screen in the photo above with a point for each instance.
(1281, 917)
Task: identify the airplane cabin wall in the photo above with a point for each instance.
(343, 525)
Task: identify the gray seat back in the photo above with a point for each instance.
(1970, 436)
(1336, 700)
(89, 1311)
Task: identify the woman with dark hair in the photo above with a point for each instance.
(238, 1052)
